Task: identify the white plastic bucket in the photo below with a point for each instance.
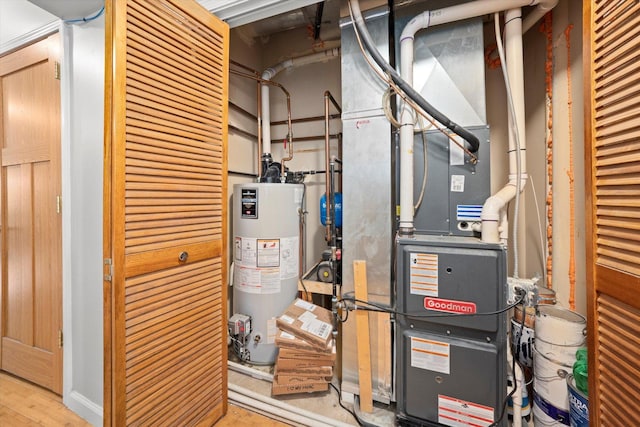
(550, 388)
(559, 326)
(563, 354)
(540, 419)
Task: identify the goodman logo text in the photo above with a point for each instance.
(449, 306)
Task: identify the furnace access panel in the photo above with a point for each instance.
(450, 361)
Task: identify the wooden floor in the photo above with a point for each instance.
(24, 404)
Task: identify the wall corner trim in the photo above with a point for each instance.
(85, 408)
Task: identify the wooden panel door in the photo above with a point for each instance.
(165, 214)
(612, 100)
(31, 291)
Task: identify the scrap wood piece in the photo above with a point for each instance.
(363, 337)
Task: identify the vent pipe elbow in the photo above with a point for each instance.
(271, 72)
(493, 216)
(541, 9)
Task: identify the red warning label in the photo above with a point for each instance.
(449, 306)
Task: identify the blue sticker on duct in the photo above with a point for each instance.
(468, 212)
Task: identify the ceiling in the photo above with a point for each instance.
(296, 18)
(70, 9)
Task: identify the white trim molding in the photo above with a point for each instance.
(84, 408)
(30, 37)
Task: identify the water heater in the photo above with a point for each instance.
(266, 257)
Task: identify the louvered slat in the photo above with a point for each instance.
(619, 149)
(619, 352)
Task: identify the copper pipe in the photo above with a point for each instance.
(327, 212)
(259, 118)
(289, 138)
(328, 98)
(244, 67)
(340, 157)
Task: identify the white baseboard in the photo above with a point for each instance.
(84, 408)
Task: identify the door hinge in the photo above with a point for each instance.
(58, 204)
(56, 70)
(60, 340)
(107, 276)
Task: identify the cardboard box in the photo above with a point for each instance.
(310, 371)
(293, 364)
(307, 387)
(287, 378)
(288, 340)
(290, 353)
(307, 321)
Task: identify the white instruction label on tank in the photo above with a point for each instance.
(289, 257)
(430, 355)
(423, 273)
(256, 280)
(461, 413)
(246, 251)
(268, 253)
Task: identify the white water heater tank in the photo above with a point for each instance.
(266, 256)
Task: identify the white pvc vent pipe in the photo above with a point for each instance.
(270, 72)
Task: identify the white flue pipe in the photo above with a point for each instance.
(422, 21)
(406, 137)
(494, 223)
(270, 72)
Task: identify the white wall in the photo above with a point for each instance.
(82, 166)
(19, 18)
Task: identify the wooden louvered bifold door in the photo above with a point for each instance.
(612, 124)
(165, 214)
